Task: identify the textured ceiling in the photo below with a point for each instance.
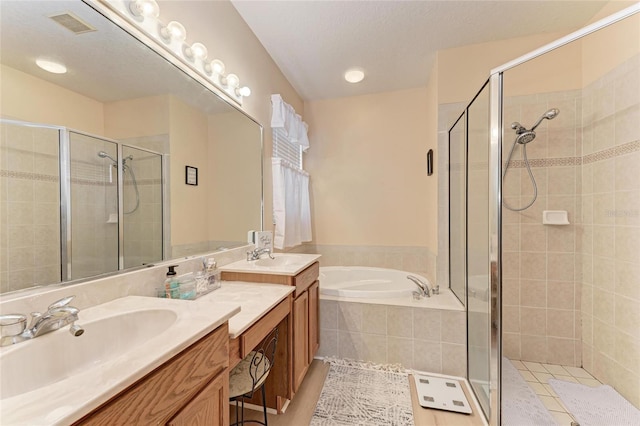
(315, 42)
(106, 65)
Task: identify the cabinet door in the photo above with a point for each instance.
(209, 407)
(300, 339)
(314, 320)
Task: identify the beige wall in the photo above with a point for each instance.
(463, 70)
(234, 165)
(134, 118)
(28, 98)
(617, 43)
(368, 170)
(188, 132)
(219, 26)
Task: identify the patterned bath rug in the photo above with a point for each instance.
(361, 395)
(520, 405)
(596, 406)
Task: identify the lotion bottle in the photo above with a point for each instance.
(171, 284)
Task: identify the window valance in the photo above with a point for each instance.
(284, 116)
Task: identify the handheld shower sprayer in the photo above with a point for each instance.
(103, 154)
(523, 137)
(549, 115)
(125, 168)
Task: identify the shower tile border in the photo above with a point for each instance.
(605, 154)
(29, 176)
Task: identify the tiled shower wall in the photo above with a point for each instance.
(610, 239)
(30, 216)
(143, 233)
(571, 294)
(540, 268)
(143, 226)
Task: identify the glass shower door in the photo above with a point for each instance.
(94, 205)
(457, 208)
(478, 259)
(142, 206)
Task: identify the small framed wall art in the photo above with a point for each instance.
(191, 175)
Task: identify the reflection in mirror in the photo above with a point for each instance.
(123, 100)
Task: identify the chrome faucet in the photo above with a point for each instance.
(425, 290)
(58, 315)
(256, 253)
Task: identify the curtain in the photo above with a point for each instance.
(291, 205)
(284, 116)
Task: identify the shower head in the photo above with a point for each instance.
(103, 154)
(549, 115)
(526, 137)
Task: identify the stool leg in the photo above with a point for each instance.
(264, 405)
(237, 413)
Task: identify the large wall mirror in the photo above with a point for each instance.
(93, 161)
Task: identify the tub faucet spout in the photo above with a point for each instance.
(422, 286)
(426, 289)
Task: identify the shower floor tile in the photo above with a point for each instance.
(536, 376)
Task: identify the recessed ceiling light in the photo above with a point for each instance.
(354, 75)
(51, 66)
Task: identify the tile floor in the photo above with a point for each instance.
(536, 376)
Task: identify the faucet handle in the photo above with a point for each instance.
(60, 303)
(12, 325)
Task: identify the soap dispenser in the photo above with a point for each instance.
(171, 284)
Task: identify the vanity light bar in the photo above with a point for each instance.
(144, 15)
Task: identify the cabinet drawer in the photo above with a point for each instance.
(304, 279)
(258, 331)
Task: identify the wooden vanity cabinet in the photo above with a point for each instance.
(191, 388)
(305, 327)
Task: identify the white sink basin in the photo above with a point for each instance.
(282, 264)
(280, 260)
(47, 359)
(56, 378)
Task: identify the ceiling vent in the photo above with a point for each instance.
(72, 23)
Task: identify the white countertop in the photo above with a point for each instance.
(65, 401)
(254, 299)
(299, 263)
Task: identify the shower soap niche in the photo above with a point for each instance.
(555, 217)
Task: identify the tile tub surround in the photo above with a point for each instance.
(430, 340)
(97, 291)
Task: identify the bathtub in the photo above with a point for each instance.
(379, 286)
(369, 314)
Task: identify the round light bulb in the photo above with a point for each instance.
(144, 8)
(354, 75)
(51, 66)
(173, 31)
(218, 66)
(199, 50)
(243, 91)
(232, 80)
